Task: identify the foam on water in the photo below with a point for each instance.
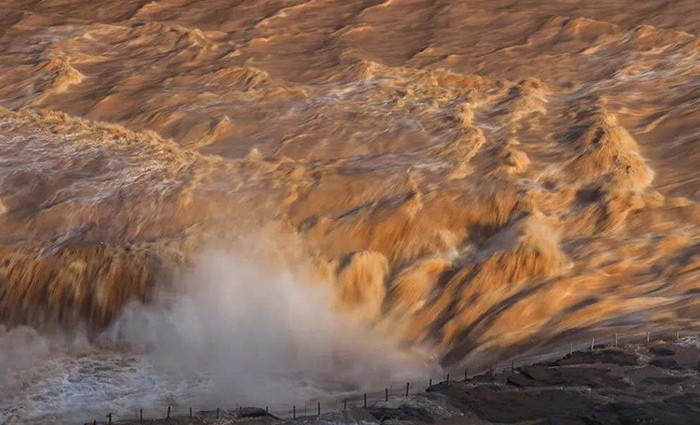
(231, 334)
(63, 379)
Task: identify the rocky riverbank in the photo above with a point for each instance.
(633, 384)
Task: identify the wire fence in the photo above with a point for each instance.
(393, 391)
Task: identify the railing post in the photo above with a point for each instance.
(430, 383)
(386, 394)
(294, 411)
(648, 338)
(448, 378)
(190, 412)
(141, 415)
(365, 400)
(407, 385)
(592, 343)
(109, 418)
(217, 412)
(571, 348)
(168, 416)
(319, 408)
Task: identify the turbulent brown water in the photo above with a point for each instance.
(477, 179)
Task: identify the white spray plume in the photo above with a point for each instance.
(263, 337)
(228, 333)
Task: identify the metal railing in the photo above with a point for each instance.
(392, 392)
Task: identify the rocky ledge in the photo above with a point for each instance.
(634, 384)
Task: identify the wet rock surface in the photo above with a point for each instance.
(401, 413)
(252, 412)
(662, 351)
(538, 376)
(631, 385)
(613, 386)
(606, 356)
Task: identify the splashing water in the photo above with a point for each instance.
(230, 334)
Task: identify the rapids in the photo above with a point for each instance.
(463, 181)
